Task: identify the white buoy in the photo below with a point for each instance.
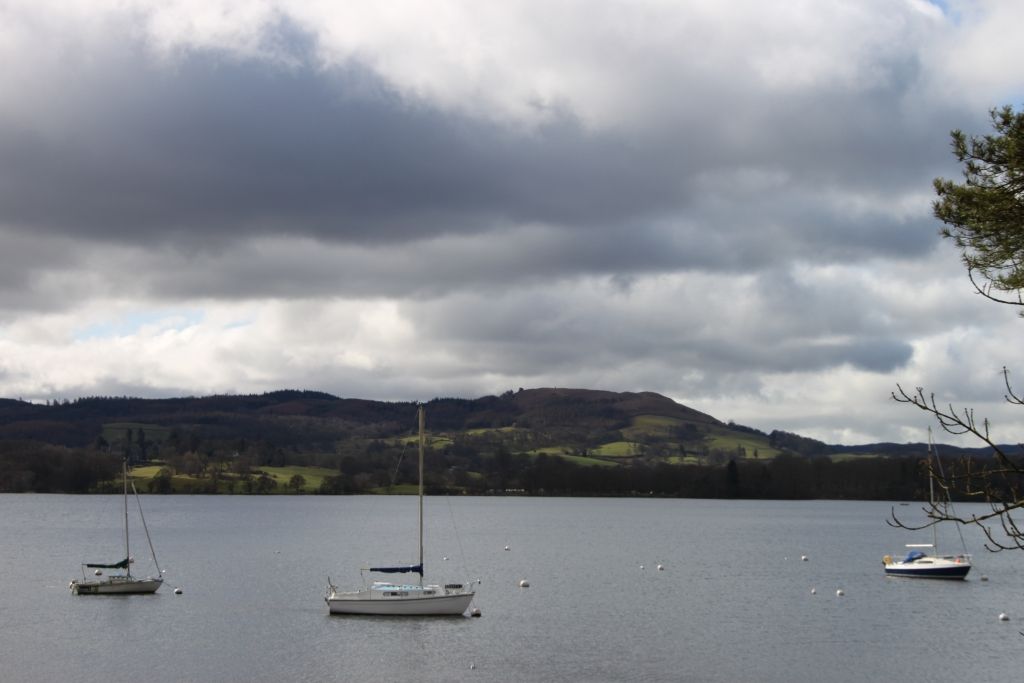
(506, 547)
(524, 584)
(98, 573)
(445, 558)
(661, 567)
(1003, 616)
(177, 591)
(472, 665)
(840, 592)
(803, 558)
(475, 612)
(814, 591)
(984, 578)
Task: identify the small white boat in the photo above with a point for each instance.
(400, 599)
(384, 598)
(925, 565)
(922, 559)
(116, 585)
(120, 584)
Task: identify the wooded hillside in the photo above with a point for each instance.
(533, 441)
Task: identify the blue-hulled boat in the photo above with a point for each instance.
(930, 565)
(920, 564)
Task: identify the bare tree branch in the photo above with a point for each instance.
(996, 480)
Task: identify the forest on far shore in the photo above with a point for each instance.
(556, 442)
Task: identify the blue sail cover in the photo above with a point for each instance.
(123, 564)
(913, 555)
(405, 569)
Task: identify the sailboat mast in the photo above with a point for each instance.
(422, 438)
(145, 528)
(931, 489)
(127, 551)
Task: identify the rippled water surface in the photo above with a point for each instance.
(733, 603)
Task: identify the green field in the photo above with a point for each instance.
(731, 441)
(432, 441)
(618, 449)
(683, 460)
(481, 431)
(651, 425)
(314, 476)
(183, 483)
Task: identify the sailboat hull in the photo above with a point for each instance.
(116, 585)
(408, 603)
(929, 567)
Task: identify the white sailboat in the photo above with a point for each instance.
(923, 560)
(120, 584)
(404, 599)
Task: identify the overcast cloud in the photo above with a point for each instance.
(728, 203)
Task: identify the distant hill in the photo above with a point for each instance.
(574, 418)
(485, 442)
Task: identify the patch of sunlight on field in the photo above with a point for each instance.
(145, 472)
(562, 452)
(314, 476)
(186, 483)
(618, 449)
(730, 442)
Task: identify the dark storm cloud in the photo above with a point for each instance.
(219, 149)
(214, 149)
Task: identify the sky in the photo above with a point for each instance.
(727, 202)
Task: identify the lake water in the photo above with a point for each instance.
(734, 602)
